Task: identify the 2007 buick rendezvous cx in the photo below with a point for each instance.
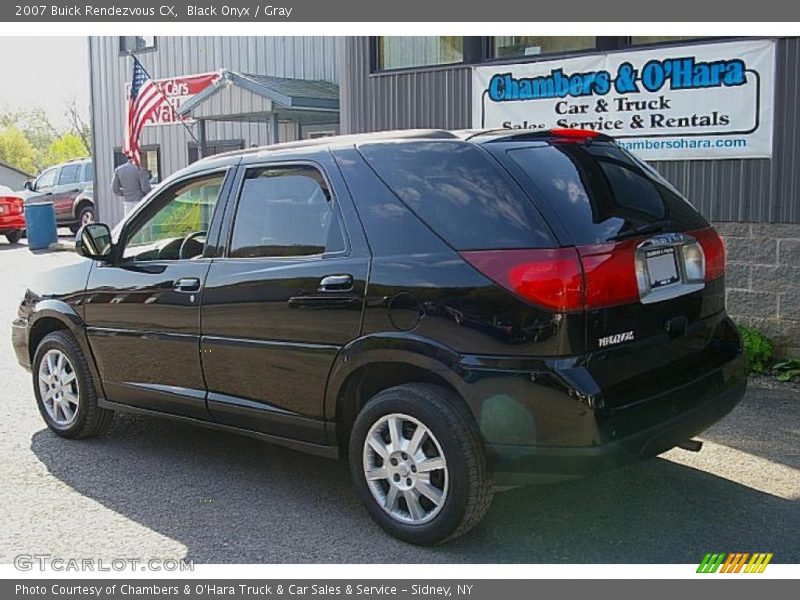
(452, 311)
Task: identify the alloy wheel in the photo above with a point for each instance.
(58, 386)
(405, 468)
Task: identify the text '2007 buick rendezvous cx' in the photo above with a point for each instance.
(452, 312)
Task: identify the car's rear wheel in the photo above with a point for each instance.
(85, 216)
(418, 464)
(13, 236)
(64, 388)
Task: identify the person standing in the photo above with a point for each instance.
(131, 182)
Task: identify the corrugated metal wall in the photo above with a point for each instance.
(300, 57)
(424, 98)
(724, 190)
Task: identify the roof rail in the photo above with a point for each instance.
(356, 138)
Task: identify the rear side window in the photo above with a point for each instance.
(285, 212)
(69, 174)
(460, 193)
(599, 191)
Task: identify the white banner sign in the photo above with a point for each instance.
(691, 102)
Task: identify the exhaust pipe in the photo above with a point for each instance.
(691, 445)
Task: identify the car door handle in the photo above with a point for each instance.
(187, 284)
(336, 283)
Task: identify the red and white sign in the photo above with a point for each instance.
(177, 91)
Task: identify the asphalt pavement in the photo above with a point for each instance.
(156, 489)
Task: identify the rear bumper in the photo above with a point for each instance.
(552, 419)
(11, 223)
(520, 464)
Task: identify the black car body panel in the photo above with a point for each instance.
(275, 345)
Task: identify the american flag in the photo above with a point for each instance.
(144, 100)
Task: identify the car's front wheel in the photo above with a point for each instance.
(418, 464)
(13, 236)
(64, 388)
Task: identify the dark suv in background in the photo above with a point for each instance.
(69, 186)
(450, 311)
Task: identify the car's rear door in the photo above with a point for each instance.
(66, 190)
(285, 295)
(142, 309)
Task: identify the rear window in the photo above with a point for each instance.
(598, 190)
(460, 193)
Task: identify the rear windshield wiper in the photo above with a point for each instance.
(653, 227)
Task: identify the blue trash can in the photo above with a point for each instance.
(40, 224)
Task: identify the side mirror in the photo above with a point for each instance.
(28, 185)
(94, 241)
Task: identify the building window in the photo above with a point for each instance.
(136, 43)
(638, 40)
(213, 147)
(400, 52)
(151, 159)
(512, 46)
(315, 135)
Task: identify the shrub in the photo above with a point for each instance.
(787, 370)
(758, 349)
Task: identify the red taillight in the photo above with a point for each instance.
(551, 278)
(582, 278)
(610, 273)
(714, 250)
(14, 204)
(564, 279)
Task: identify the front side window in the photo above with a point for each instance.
(532, 45)
(285, 211)
(46, 180)
(178, 227)
(399, 52)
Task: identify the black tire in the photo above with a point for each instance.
(445, 415)
(13, 236)
(82, 211)
(89, 418)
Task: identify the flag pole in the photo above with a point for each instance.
(160, 91)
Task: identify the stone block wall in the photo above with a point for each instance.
(763, 280)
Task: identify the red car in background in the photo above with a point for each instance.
(12, 214)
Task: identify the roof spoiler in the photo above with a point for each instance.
(539, 134)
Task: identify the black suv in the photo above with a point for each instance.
(451, 311)
(69, 186)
